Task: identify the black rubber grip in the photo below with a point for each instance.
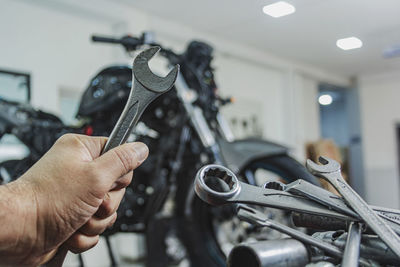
(105, 39)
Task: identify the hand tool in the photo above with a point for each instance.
(330, 171)
(146, 87)
(389, 213)
(322, 223)
(335, 202)
(239, 192)
(254, 216)
(318, 194)
(352, 251)
(372, 248)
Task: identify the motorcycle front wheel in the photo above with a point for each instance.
(209, 233)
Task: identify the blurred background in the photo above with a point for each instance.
(320, 78)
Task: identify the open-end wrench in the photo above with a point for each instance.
(352, 250)
(330, 171)
(146, 87)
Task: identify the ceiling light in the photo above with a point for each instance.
(349, 43)
(325, 100)
(279, 9)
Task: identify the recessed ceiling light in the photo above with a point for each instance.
(279, 9)
(325, 100)
(349, 43)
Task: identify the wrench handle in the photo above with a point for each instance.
(377, 224)
(352, 250)
(253, 216)
(122, 129)
(139, 98)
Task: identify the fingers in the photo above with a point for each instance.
(92, 145)
(110, 203)
(79, 243)
(96, 226)
(121, 160)
(88, 234)
(122, 182)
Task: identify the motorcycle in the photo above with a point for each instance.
(184, 130)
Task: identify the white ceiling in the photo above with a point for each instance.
(309, 35)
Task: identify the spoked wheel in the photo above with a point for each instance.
(216, 230)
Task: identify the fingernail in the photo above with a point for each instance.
(141, 151)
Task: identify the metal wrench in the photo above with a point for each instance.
(146, 86)
(371, 248)
(254, 216)
(320, 195)
(352, 250)
(330, 171)
(239, 192)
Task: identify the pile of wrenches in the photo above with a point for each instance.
(371, 230)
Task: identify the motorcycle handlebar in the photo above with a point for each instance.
(129, 42)
(101, 39)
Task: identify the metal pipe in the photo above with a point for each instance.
(282, 252)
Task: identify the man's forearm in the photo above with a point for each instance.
(17, 220)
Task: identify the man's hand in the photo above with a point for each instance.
(68, 197)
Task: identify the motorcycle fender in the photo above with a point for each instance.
(239, 153)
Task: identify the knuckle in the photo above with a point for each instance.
(90, 224)
(70, 140)
(126, 179)
(67, 138)
(74, 243)
(114, 218)
(122, 182)
(126, 159)
(107, 207)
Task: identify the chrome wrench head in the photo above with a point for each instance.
(216, 184)
(328, 166)
(147, 78)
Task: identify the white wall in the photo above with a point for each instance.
(380, 113)
(50, 39)
(54, 47)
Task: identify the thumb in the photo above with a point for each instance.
(121, 160)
